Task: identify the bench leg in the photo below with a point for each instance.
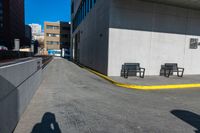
(126, 75)
(122, 73)
(179, 74)
(142, 74)
(180, 70)
(167, 74)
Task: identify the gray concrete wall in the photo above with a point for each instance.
(93, 46)
(152, 34)
(76, 4)
(18, 83)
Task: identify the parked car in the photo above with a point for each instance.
(3, 48)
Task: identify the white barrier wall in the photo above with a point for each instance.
(18, 84)
(152, 34)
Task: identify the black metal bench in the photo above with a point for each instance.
(131, 69)
(169, 68)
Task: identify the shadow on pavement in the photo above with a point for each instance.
(188, 117)
(47, 125)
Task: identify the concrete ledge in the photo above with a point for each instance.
(145, 87)
(18, 84)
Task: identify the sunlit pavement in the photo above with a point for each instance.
(73, 100)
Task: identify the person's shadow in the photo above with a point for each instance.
(47, 125)
(188, 117)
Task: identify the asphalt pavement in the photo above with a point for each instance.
(73, 100)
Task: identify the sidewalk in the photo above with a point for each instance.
(153, 82)
(159, 80)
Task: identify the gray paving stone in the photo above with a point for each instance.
(81, 102)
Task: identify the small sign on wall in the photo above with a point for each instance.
(194, 43)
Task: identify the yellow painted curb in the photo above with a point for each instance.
(140, 87)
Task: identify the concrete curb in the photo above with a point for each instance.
(140, 87)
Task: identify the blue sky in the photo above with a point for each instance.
(38, 11)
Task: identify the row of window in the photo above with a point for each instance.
(57, 43)
(83, 10)
(58, 35)
(53, 35)
(53, 43)
(66, 28)
(51, 27)
(65, 35)
(65, 43)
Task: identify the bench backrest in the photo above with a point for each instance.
(173, 66)
(132, 66)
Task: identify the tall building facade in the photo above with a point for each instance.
(38, 34)
(1, 15)
(12, 24)
(36, 29)
(28, 35)
(108, 33)
(56, 35)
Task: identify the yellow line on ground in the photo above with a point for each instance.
(140, 87)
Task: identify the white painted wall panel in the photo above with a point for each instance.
(152, 34)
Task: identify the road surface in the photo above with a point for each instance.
(73, 100)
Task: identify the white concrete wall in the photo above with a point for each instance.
(18, 84)
(93, 44)
(152, 34)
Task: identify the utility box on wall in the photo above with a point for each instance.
(17, 44)
(194, 43)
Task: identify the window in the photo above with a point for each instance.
(91, 4)
(52, 43)
(1, 3)
(65, 35)
(87, 6)
(62, 43)
(66, 28)
(65, 43)
(1, 14)
(52, 27)
(83, 10)
(72, 8)
(53, 35)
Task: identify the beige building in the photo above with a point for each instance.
(56, 35)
